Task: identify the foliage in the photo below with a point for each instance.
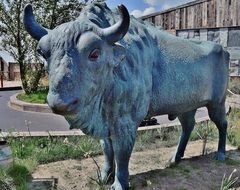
(98, 180)
(39, 97)
(20, 45)
(228, 182)
(234, 85)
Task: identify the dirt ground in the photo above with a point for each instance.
(149, 169)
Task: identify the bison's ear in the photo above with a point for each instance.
(119, 54)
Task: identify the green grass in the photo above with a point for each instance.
(232, 162)
(50, 149)
(39, 97)
(16, 176)
(234, 85)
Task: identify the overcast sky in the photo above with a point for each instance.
(144, 7)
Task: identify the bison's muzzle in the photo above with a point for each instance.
(64, 107)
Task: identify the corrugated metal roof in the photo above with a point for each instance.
(6, 57)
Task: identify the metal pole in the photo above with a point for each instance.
(1, 72)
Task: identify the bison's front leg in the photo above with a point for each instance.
(108, 167)
(122, 147)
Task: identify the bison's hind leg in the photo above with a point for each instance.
(187, 121)
(217, 114)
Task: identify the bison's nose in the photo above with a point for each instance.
(64, 108)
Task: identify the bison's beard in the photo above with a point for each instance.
(90, 120)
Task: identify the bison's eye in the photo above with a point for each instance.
(93, 56)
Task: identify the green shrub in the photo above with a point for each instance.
(39, 97)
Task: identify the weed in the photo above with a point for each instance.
(205, 130)
(98, 180)
(144, 138)
(228, 182)
(169, 135)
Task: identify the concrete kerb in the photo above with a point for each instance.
(25, 106)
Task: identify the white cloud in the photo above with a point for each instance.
(166, 4)
(136, 13)
(147, 11)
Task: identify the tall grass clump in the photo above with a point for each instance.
(228, 182)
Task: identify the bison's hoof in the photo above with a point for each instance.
(175, 159)
(106, 176)
(219, 156)
(116, 186)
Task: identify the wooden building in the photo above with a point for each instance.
(212, 20)
(9, 69)
(199, 14)
(3, 69)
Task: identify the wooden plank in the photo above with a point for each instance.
(165, 24)
(190, 17)
(198, 14)
(172, 20)
(234, 12)
(183, 18)
(204, 14)
(219, 13)
(177, 19)
(158, 20)
(211, 14)
(238, 13)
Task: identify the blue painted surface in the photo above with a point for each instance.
(106, 85)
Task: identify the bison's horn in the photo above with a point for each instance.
(31, 25)
(117, 31)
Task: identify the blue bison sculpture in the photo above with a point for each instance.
(108, 71)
